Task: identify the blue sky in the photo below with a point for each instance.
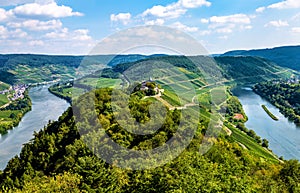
(76, 26)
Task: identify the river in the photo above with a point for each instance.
(283, 135)
(45, 107)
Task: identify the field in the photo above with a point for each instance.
(3, 100)
(4, 86)
(101, 82)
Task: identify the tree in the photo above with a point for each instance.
(265, 143)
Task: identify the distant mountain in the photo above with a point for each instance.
(287, 56)
(244, 69)
(249, 69)
(39, 68)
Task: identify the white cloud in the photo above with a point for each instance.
(224, 30)
(81, 35)
(61, 34)
(278, 23)
(194, 3)
(246, 27)
(223, 37)
(296, 29)
(155, 22)
(5, 15)
(296, 17)
(36, 25)
(18, 33)
(50, 10)
(204, 32)
(121, 17)
(36, 43)
(7, 34)
(287, 4)
(169, 11)
(237, 18)
(174, 10)
(3, 32)
(204, 20)
(260, 9)
(66, 35)
(183, 27)
(227, 24)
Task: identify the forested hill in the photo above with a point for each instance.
(10, 60)
(245, 69)
(287, 56)
(249, 69)
(57, 160)
(39, 68)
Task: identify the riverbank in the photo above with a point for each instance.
(269, 113)
(12, 114)
(286, 145)
(45, 107)
(59, 95)
(286, 98)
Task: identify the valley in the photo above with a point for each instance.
(183, 90)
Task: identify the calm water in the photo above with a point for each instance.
(283, 135)
(45, 107)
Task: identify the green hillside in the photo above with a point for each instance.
(284, 95)
(64, 156)
(4, 86)
(39, 68)
(28, 68)
(57, 159)
(287, 56)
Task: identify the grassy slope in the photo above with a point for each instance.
(254, 148)
(3, 100)
(4, 86)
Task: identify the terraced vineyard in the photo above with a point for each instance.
(182, 87)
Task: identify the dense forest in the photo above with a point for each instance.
(60, 158)
(284, 95)
(286, 56)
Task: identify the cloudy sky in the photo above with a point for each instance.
(76, 26)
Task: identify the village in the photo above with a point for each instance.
(17, 92)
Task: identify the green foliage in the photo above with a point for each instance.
(61, 157)
(232, 107)
(269, 113)
(283, 95)
(11, 115)
(3, 99)
(57, 160)
(248, 69)
(4, 86)
(287, 56)
(250, 143)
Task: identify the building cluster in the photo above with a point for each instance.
(17, 90)
(293, 80)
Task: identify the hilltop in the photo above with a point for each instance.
(286, 56)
